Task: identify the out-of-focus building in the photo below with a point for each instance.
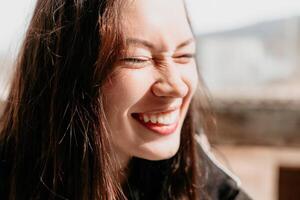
(260, 54)
(253, 74)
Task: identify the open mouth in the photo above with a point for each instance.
(164, 123)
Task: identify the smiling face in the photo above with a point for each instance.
(149, 92)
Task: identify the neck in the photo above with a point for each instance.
(122, 161)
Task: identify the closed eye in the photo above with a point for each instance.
(184, 58)
(134, 60)
(188, 55)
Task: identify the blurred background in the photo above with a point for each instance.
(249, 56)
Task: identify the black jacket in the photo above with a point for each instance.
(219, 184)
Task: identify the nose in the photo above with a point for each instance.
(170, 84)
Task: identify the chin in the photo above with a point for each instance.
(162, 156)
(159, 151)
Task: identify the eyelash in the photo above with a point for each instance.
(144, 61)
(188, 55)
(135, 60)
(184, 58)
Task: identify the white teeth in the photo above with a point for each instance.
(168, 118)
(160, 119)
(146, 118)
(173, 117)
(153, 119)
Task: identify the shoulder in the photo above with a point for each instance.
(219, 182)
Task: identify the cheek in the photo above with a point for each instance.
(126, 88)
(190, 76)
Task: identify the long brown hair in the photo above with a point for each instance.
(54, 142)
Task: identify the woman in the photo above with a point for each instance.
(102, 107)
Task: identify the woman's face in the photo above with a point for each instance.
(148, 94)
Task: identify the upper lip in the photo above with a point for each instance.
(162, 110)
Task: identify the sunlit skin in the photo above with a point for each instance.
(157, 75)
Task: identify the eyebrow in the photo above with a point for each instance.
(149, 45)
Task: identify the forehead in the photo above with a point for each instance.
(162, 22)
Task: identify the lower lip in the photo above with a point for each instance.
(160, 128)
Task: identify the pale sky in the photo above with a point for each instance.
(206, 15)
(213, 15)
